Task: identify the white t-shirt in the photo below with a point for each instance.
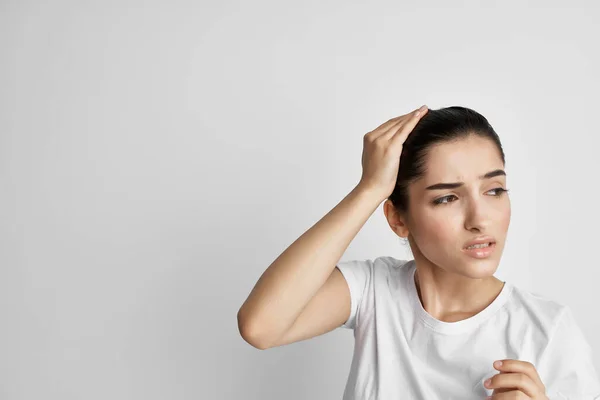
(402, 352)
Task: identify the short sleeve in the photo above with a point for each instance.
(566, 366)
(358, 275)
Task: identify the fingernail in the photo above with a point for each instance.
(487, 382)
(498, 364)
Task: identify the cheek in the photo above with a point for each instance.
(506, 218)
(434, 230)
(502, 216)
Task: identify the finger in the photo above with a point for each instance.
(509, 395)
(516, 381)
(523, 367)
(385, 127)
(393, 129)
(496, 391)
(399, 137)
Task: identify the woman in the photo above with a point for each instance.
(436, 326)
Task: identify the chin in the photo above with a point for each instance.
(479, 269)
(469, 267)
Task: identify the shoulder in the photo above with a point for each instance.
(389, 270)
(389, 264)
(382, 265)
(374, 272)
(542, 312)
(537, 303)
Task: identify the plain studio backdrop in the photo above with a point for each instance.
(156, 157)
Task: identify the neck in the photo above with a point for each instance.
(451, 297)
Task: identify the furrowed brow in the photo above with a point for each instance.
(453, 185)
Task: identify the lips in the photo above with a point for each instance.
(480, 253)
(480, 240)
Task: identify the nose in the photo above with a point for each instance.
(477, 217)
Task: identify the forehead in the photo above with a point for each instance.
(462, 160)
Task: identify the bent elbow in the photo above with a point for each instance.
(250, 334)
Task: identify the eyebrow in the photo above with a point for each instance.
(454, 185)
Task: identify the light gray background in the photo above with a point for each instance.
(156, 157)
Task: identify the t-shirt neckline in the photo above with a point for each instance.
(457, 326)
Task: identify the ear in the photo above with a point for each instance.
(395, 220)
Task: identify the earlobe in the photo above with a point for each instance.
(401, 231)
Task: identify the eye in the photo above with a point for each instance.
(500, 191)
(441, 200)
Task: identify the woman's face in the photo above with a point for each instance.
(442, 221)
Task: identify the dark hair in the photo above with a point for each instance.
(444, 125)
